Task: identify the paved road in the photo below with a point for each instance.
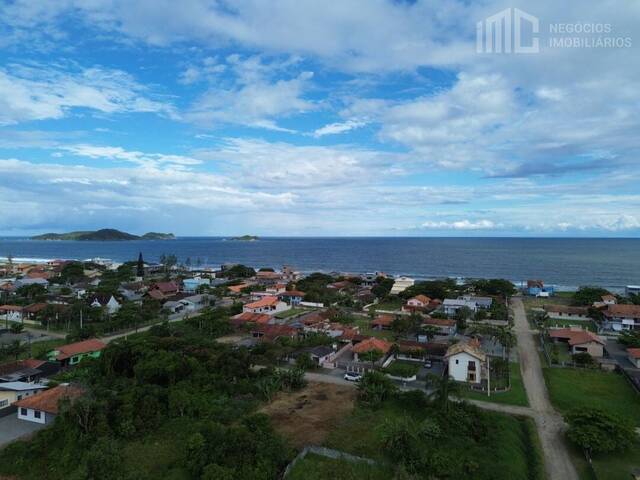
(550, 424)
(11, 428)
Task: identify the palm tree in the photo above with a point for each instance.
(446, 388)
(16, 348)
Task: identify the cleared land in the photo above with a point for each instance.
(316, 467)
(306, 417)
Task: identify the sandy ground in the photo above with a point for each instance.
(306, 417)
(550, 424)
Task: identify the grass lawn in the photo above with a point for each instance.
(556, 322)
(571, 388)
(508, 451)
(40, 349)
(364, 323)
(316, 467)
(290, 313)
(391, 304)
(517, 395)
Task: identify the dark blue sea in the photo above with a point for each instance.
(566, 262)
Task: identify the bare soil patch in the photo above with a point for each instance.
(306, 417)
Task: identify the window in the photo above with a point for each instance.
(36, 413)
(4, 403)
(19, 397)
(23, 411)
(457, 361)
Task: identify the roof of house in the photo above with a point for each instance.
(11, 308)
(567, 309)
(634, 352)
(471, 347)
(574, 336)
(432, 348)
(535, 284)
(272, 332)
(384, 320)
(608, 298)
(156, 294)
(421, 298)
(628, 311)
(166, 287)
(291, 293)
(72, 349)
(24, 367)
(35, 307)
(48, 401)
(252, 317)
(372, 343)
(439, 322)
(20, 386)
(263, 302)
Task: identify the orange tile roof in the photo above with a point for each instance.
(421, 298)
(575, 337)
(634, 352)
(252, 317)
(86, 346)
(383, 320)
(439, 322)
(372, 343)
(49, 400)
(629, 311)
(10, 308)
(238, 288)
(263, 302)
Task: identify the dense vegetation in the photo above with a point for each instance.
(168, 404)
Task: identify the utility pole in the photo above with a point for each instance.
(488, 376)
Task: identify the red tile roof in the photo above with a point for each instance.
(72, 349)
(166, 287)
(439, 322)
(35, 307)
(634, 352)
(48, 401)
(575, 337)
(372, 343)
(421, 298)
(292, 293)
(11, 308)
(263, 302)
(252, 317)
(383, 320)
(627, 311)
(272, 332)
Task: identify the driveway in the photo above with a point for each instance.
(11, 428)
(550, 424)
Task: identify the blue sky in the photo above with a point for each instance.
(364, 117)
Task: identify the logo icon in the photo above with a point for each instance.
(506, 31)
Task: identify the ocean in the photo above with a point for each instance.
(566, 262)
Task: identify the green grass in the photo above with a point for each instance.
(40, 349)
(507, 451)
(290, 313)
(364, 324)
(571, 388)
(392, 304)
(316, 467)
(517, 395)
(563, 323)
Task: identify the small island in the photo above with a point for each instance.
(103, 235)
(246, 238)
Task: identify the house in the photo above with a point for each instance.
(166, 288)
(237, 289)
(43, 407)
(383, 322)
(319, 355)
(292, 297)
(11, 392)
(23, 282)
(567, 312)
(268, 277)
(621, 317)
(29, 370)
(632, 290)
(191, 285)
(276, 288)
(450, 306)
(481, 302)
(400, 284)
(579, 340)
(370, 344)
(445, 326)
(108, 302)
(248, 317)
(419, 301)
(537, 288)
(634, 356)
(609, 299)
(410, 350)
(268, 305)
(30, 312)
(466, 362)
(73, 353)
(271, 332)
(289, 274)
(12, 313)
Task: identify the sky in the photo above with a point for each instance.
(314, 118)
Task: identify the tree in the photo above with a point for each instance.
(586, 296)
(15, 348)
(495, 287)
(444, 388)
(403, 324)
(371, 356)
(375, 388)
(16, 328)
(630, 338)
(140, 266)
(429, 331)
(583, 359)
(597, 432)
(462, 315)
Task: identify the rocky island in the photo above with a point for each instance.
(246, 238)
(103, 235)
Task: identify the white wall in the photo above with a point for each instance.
(458, 366)
(30, 416)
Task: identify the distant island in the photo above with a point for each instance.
(103, 235)
(246, 238)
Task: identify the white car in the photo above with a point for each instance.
(352, 377)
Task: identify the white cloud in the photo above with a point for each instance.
(339, 127)
(461, 225)
(40, 93)
(136, 157)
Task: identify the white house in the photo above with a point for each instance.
(621, 317)
(12, 313)
(43, 407)
(400, 284)
(567, 312)
(11, 392)
(268, 305)
(466, 362)
(450, 306)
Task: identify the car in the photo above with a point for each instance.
(428, 364)
(352, 377)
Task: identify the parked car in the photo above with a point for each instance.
(428, 364)
(352, 377)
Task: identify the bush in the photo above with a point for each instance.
(597, 432)
(403, 370)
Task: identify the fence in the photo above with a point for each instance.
(325, 452)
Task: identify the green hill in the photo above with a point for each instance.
(103, 235)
